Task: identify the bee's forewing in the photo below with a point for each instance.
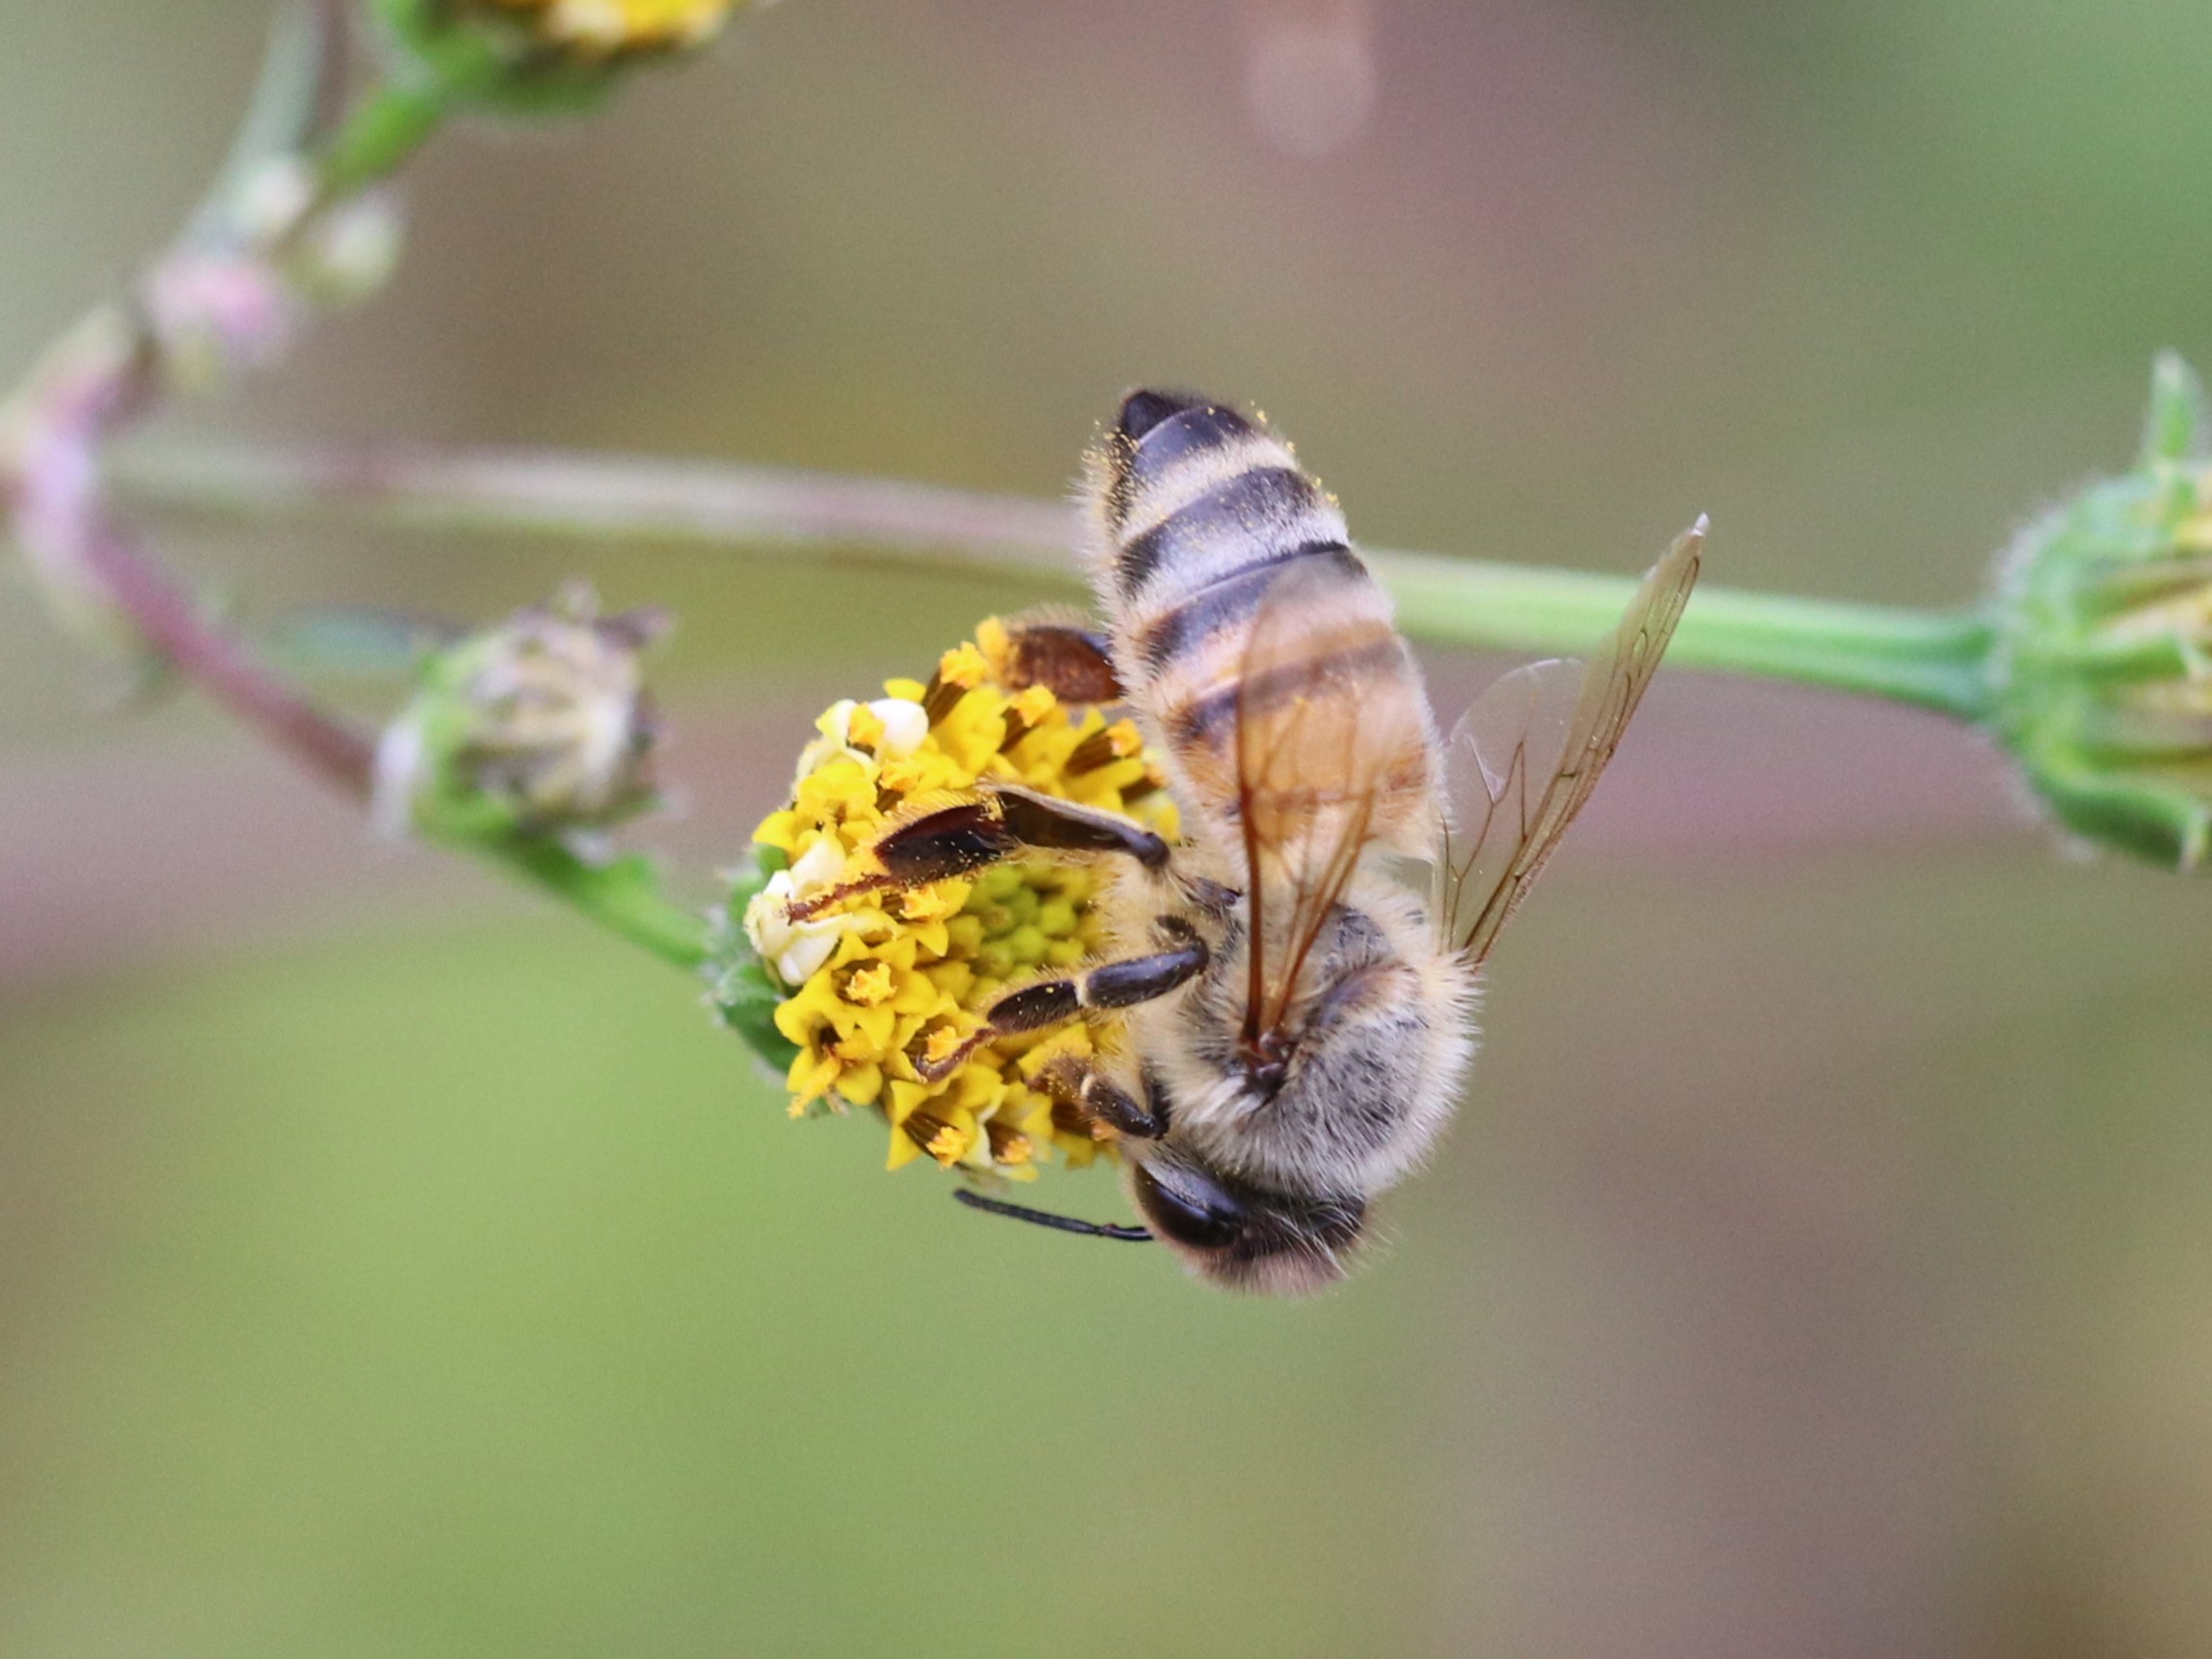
(1498, 762)
(1332, 737)
(1526, 757)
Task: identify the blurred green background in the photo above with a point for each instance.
(1823, 1265)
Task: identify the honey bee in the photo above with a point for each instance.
(1296, 1018)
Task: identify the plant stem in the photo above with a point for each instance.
(1931, 659)
(622, 897)
(175, 625)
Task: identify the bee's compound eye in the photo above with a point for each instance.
(1189, 1207)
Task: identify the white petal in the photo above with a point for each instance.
(905, 724)
(820, 865)
(796, 965)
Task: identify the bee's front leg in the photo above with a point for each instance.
(1095, 1097)
(1001, 822)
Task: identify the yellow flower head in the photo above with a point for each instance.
(541, 57)
(605, 28)
(864, 994)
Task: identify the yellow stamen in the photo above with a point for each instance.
(1009, 1146)
(863, 729)
(964, 667)
(870, 985)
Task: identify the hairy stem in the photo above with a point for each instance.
(1933, 658)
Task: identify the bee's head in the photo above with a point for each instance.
(1239, 1236)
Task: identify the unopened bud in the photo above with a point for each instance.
(539, 726)
(2103, 661)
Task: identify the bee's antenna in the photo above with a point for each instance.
(1047, 1218)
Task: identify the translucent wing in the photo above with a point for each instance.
(1524, 760)
(1332, 751)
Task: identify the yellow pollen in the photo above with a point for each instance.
(938, 1046)
(1033, 705)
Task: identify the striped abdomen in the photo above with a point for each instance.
(1203, 515)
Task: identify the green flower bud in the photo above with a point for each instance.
(2104, 654)
(539, 726)
(529, 56)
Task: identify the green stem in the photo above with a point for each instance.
(623, 896)
(1931, 659)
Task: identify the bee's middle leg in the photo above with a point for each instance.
(1110, 985)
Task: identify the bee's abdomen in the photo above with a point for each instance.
(1196, 495)
(1204, 513)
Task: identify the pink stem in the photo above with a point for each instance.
(220, 665)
